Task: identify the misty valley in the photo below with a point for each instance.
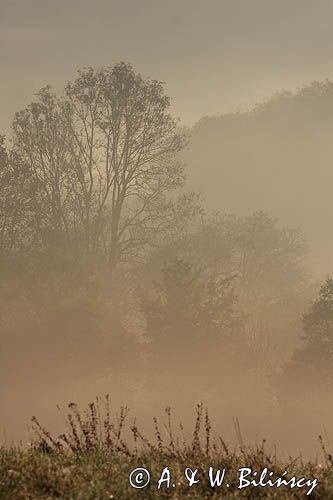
(166, 289)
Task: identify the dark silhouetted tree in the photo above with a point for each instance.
(18, 200)
(310, 369)
(105, 157)
(316, 356)
(191, 325)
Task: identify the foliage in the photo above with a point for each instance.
(192, 329)
(104, 156)
(18, 201)
(188, 306)
(310, 368)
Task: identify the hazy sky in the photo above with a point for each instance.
(214, 55)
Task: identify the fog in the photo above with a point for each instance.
(167, 262)
(275, 158)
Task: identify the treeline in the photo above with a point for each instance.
(275, 157)
(111, 270)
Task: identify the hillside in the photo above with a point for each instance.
(276, 158)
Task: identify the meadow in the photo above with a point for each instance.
(94, 457)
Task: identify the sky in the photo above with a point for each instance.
(214, 55)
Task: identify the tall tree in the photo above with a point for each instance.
(105, 154)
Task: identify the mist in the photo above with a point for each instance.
(168, 262)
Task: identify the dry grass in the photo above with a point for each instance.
(93, 458)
